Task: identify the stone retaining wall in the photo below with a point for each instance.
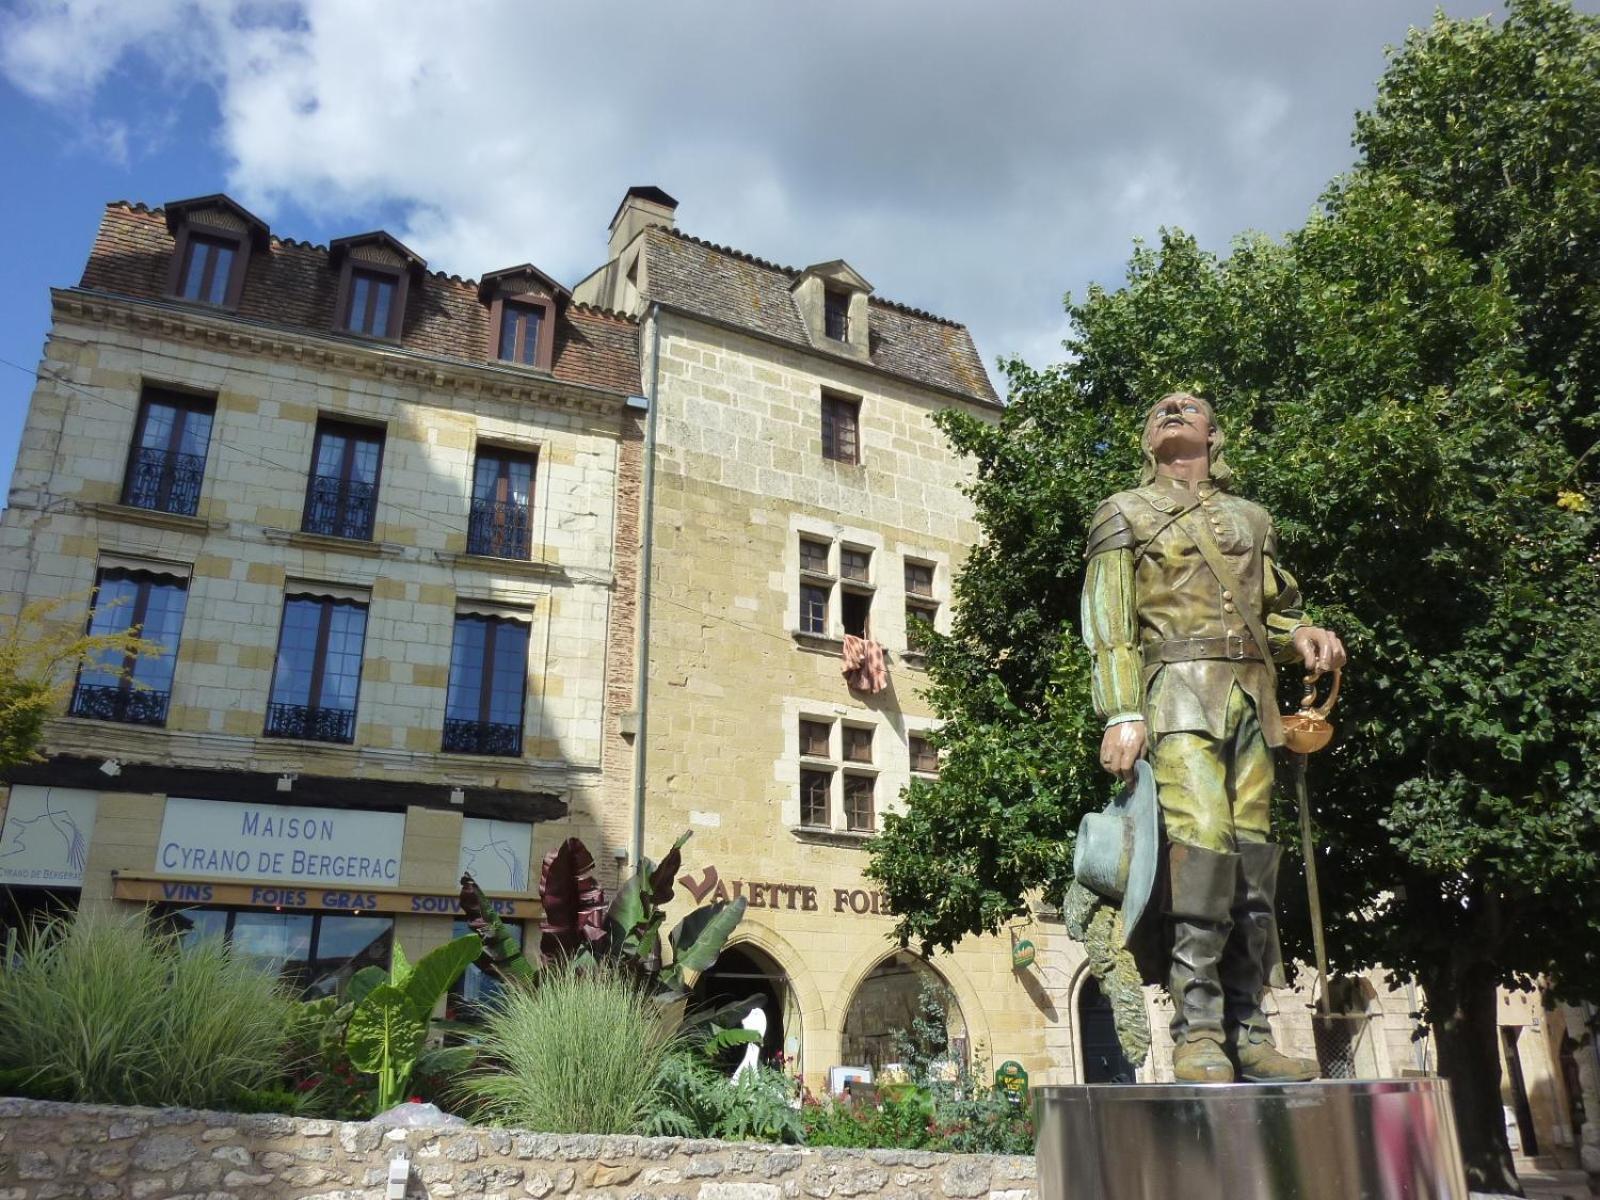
(62, 1151)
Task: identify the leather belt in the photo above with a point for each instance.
(1233, 648)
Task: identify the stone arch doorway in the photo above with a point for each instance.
(742, 971)
(885, 1009)
(1101, 1052)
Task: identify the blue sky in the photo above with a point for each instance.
(978, 168)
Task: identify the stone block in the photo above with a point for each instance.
(965, 1178)
(610, 1173)
(164, 1151)
(740, 1191)
(239, 1179)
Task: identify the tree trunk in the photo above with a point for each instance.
(1462, 1005)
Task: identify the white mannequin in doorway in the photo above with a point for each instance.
(756, 1022)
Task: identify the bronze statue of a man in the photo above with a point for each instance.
(1185, 610)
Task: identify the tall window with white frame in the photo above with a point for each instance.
(816, 773)
(167, 460)
(317, 680)
(816, 585)
(488, 686)
(132, 689)
(860, 779)
(921, 606)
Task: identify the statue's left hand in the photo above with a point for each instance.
(1320, 649)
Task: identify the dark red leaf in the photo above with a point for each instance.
(574, 904)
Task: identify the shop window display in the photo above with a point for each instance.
(315, 953)
(884, 1007)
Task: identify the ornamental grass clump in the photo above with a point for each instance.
(579, 1053)
(102, 1009)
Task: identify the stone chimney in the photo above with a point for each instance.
(641, 208)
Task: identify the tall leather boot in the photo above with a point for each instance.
(1251, 962)
(1201, 895)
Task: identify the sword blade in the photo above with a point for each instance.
(1314, 893)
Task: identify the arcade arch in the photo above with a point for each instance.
(885, 1006)
(757, 963)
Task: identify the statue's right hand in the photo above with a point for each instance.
(1122, 746)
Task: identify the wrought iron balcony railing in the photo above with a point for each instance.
(340, 507)
(132, 706)
(482, 737)
(164, 481)
(312, 724)
(500, 530)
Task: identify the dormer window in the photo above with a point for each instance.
(523, 302)
(375, 275)
(832, 299)
(371, 302)
(208, 269)
(836, 314)
(519, 332)
(212, 241)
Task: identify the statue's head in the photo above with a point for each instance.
(1197, 415)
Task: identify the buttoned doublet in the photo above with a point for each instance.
(1170, 645)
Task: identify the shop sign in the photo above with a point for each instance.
(276, 843)
(45, 841)
(496, 853)
(1011, 1081)
(148, 890)
(770, 893)
(1022, 953)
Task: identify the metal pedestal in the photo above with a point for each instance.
(1358, 1139)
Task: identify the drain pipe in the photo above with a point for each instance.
(641, 657)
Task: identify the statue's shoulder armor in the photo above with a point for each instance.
(1130, 520)
(1110, 528)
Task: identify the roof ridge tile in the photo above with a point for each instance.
(600, 310)
(795, 272)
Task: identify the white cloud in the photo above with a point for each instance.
(976, 161)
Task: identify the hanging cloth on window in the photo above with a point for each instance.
(864, 669)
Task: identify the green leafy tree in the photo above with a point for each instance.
(1408, 383)
(39, 657)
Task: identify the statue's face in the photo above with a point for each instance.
(1179, 426)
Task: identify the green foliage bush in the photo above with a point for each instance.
(104, 1010)
(940, 1106)
(695, 1099)
(904, 1124)
(579, 1053)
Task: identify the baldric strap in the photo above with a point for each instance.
(1212, 553)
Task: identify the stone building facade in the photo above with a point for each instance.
(803, 498)
(385, 522)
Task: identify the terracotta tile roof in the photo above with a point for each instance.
(740, 289)
(292, 285)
